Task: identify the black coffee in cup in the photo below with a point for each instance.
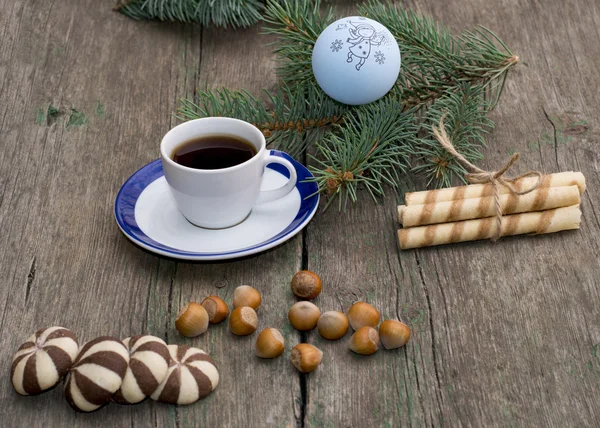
(213, 152)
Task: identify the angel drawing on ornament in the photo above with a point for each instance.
(363, 37)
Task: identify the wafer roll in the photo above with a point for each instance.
(549, 221)
(466, 209)
(568, 178)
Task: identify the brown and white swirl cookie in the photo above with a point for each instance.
(148, 364)
(96, 374)
(192, 375)
(43, 360)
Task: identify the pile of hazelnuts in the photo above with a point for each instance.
(194, 318)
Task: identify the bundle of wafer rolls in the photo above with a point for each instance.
(467, 213)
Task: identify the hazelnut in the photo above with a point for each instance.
(362, 314)
(304, 316)
(332, 325)
(364, 341)
(217, 309)
(269, 343)
(243, 321)
(306, 358)
(192, 320)
(306, 285)
(393, 334)
(245, 295)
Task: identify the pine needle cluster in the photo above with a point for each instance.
(220, 13)
(296, 116)
(370, 146)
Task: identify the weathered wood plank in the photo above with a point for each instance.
(506, 334)
(62, 257)
(362, 265)
(273, 384)
(68, 264)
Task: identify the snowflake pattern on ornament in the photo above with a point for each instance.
(336, 46)
(379, 57)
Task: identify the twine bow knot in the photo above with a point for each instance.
(495, 178)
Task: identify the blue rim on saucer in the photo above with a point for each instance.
(135, 185)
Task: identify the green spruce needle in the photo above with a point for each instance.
(365, 147)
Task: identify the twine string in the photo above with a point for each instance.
(495, 178)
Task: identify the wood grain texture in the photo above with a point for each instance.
(63, 259)
(503, 335)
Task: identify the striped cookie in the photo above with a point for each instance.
(192, 376)
(148, 364)
(96, 374)
(40, 362)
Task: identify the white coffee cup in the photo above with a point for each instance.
(220, 198)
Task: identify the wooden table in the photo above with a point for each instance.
(503, 335)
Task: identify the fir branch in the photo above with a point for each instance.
(484, 59)
(370, 148)
(466, 122)
(298, 26)
(221, 13)
(433, 61)
(296, 116)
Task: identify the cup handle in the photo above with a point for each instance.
(271, 195)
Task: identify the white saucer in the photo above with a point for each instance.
(146, 213)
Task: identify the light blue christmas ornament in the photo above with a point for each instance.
(356, 60)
